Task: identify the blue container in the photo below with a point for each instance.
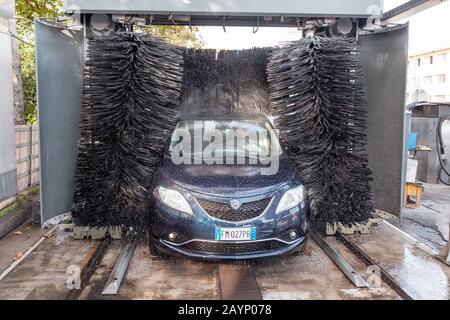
(412, 141)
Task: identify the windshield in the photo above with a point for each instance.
(219, 138)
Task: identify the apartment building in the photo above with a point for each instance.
(429, 77)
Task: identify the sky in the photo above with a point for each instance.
(429, 30)
(243, 37)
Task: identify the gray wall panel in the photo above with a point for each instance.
(384, 58)
(59, 56)
(8, 183)
(428, 168)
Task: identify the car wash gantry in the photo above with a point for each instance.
(120, 183)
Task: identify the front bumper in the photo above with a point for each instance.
(216, 250)
(196, 231)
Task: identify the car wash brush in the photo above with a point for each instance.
(319, 106)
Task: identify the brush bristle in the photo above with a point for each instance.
(132, 88)
(132, 85)
(225, 81)
(318, 103)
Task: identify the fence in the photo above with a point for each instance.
(27, 156)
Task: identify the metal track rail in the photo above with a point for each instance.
(120, 268)
(340, 261)
(385, 276)
(90, 268)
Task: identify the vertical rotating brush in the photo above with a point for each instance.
(318, 103)
(132, 85)
(132, 88)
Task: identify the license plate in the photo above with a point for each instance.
(235, 234)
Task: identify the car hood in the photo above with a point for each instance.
(227, 180)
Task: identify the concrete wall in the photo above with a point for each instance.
(27, 156)
(8, 174)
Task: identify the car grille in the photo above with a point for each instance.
(224, 211)
(231, 249)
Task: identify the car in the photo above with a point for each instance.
(235, 207)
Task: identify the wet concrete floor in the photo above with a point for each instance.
(311, 276)
(17, 242)
(306, 276)
(420, 274)
(43, 273)
(430, 222)
(156, 278)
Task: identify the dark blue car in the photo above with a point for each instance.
(226, 190)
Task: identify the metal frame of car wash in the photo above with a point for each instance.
(61, 53)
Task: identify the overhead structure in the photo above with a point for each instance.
(342, 8)
(226, 12)
(408, 9)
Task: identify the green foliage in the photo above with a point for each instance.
(22, 199)
(178, 35)
(27, 68)
(9, 209)
(29, 9)
(28, 74)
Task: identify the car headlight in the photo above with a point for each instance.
(291, 199)
(173, 199)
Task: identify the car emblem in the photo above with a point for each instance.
(235, 204)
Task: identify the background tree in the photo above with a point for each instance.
(178, 35)
(27, 10)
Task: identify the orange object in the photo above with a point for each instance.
(413, 195)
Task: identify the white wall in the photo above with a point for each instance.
(261, 7)
(432, 79)
(8, 183)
